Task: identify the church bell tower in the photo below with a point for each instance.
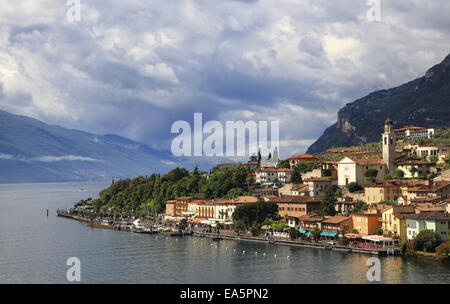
(389, 146)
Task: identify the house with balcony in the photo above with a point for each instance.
(382, 191)
(393, 220)
(335, 225)
(273, 176)
(366, 223)
(311, 222)
(437, 221)
(296, 206)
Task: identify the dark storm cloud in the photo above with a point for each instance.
(134, 67)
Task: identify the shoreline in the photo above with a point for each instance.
(373, 252)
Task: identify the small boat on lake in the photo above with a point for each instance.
(104, 224)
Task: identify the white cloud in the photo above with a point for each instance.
(4, 156)
(160, 72)
(48, 158)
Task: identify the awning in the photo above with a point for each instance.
(309, 233)
(302, 231)
(353, 236)
(326, 233)
(376, 238)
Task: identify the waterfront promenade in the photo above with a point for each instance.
(231, 235)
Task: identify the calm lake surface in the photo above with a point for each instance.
(34, 248)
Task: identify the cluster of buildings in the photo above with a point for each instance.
(416, 133)
(400, 207)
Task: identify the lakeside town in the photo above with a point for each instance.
(387, 197)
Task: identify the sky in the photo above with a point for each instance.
(135, 67)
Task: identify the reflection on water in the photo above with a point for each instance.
(34, 249)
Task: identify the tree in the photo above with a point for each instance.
(253, 158)
(371, 174)
(427, 240)
(238, 227)
(284, 164)
(343, 241)
(234, 192)
(443, 250)
(359, 206)
(253, 214)
(399, 173)
(327, 173)
(97, 205)
(329, 200)
(354, 187)
(255, 229)
(182, 225)
(379, 230)
(296, 177)
(413, 171)
(307, 166)
(387, 177)
(315, 234)
(293, 233)
(434, 159)
(390, 203)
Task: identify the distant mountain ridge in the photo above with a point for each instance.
(33, 151)
(423, 102)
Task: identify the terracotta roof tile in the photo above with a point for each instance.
(336, 219)
(303, 156)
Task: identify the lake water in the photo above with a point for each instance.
(34, 248)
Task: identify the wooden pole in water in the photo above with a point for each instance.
(47, 212)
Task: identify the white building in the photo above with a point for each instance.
(350, 170)
(224, 210)
(389, 146)
(277, 176)
(427, 151)
(353, 170)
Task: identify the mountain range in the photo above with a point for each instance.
(423, 102)
(33, 151)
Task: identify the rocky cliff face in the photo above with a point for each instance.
(424, 102)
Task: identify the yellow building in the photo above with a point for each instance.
(394, 222)
(193, 207)
(366, 223)
(207, 210)
(383, 191)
